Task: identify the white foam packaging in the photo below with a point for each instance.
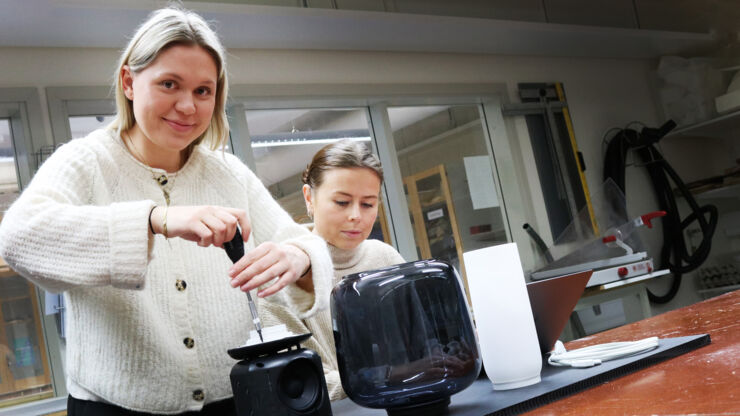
(503, 316)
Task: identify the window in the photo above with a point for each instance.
(81, 126)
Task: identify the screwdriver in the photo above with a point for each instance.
(235, 251)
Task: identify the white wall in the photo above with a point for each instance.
(601, 93)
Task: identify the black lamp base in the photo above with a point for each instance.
(435, 408)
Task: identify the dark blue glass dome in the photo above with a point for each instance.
(404, 337)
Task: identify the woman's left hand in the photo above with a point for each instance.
(269, 261)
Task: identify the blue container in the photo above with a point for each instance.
(404, 337)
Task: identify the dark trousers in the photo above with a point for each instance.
(77, 407)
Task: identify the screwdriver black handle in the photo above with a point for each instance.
(235, 247)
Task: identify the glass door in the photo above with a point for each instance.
(24, 367)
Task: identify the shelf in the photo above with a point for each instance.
(6, 271)
(724, 126)
(18, 321)
(15, 298)
(433, 205)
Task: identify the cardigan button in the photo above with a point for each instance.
(198, 395)
(181, 285)
(189, 342)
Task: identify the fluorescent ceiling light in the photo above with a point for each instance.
(298, 142)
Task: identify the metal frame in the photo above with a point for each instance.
(22, 106)
(64, 102)
(513, 203)
(393, 196)
(241, 143)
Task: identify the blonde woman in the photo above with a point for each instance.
(342, 192)
(128, 222)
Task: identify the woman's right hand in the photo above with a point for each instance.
(206, 225)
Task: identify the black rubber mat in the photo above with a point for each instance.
(557, 383)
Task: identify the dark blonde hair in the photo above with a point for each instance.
(163, 29)
(341, 154)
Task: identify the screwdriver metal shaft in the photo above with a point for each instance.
(255, 317)
(235, 251)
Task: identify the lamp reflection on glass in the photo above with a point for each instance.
(297, 138)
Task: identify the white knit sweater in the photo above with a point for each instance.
(81, 227)
(371, 254)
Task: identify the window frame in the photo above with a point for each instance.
(23, 107)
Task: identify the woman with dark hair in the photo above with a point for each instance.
(342, 192)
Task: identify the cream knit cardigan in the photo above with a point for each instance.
(369, 255)
(81, 227)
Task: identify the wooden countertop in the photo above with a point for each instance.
(705, 381)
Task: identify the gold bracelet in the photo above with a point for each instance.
(164, 222)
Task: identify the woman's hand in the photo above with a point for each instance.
(269, 261)
(206, 225)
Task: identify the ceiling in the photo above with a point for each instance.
(107, 24)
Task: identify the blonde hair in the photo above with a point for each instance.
(165, 28)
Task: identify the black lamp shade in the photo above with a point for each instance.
(404, 337)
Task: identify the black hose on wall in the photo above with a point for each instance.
(674, 254)
(538, 241)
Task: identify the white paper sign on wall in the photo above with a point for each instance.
(480, 182)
